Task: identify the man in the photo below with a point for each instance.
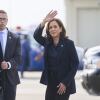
(10, 55)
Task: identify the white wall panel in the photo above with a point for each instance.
(88, 27)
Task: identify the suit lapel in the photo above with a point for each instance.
(8, 44)
(61, 48)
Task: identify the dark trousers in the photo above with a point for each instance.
(51, 94)
(9, 90)
(51, 91)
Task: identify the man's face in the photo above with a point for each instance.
(3, 20)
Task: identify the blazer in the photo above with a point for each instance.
(12, 55)
(68, 60)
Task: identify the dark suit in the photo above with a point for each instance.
(66, 64)
(10, 76)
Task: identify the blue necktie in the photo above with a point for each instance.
(2, 73)
(1, 46)
(1, 39)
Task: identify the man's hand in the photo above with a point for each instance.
(4, 65)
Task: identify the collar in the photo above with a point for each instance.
(5, 31)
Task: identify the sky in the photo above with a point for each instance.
(28, 12)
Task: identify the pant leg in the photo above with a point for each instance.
(64, 96)
(50, 93)
(9, 92)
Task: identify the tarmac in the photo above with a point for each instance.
(31, 89)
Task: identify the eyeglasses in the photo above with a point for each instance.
(4, 19)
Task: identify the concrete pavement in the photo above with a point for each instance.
(31, 89)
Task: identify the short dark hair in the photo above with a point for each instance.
(2, 11)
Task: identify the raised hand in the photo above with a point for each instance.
(49, 17)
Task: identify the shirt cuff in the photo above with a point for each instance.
(9, 65)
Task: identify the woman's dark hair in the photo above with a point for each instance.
(62, 34)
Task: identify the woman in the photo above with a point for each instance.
(60, 59)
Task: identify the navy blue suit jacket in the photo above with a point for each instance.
(68, 61)
(12, 55)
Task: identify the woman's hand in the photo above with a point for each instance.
(61, 89)
(49, 17)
